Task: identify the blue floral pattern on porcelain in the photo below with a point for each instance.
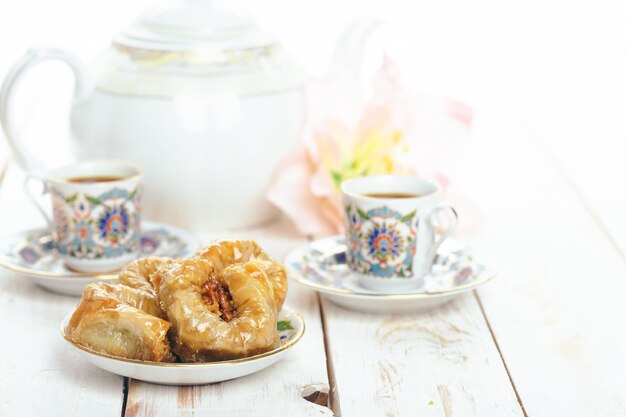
(323, 264)
(382, 241)
(39, 253)
(96, 227)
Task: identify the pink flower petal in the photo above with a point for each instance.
(290, 192)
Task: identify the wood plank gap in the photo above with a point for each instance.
(495, 341)
(125, 393)
(333, 396)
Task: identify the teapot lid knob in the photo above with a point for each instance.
(195, 18)
(190, 24)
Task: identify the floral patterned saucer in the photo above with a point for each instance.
(32, 253)
(322, 266)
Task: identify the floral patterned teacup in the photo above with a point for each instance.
(391, 223)
(96, 213)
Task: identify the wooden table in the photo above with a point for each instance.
(546, 338)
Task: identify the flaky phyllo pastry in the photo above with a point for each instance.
(121, 321)
(138, 274)
(221, 303)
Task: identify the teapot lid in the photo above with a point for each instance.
(189, 25)
(196, 47)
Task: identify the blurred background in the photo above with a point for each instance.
(565, 60)
(556, 67)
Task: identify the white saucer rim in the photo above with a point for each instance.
(292, 342)
(86, 275)
(485, 277)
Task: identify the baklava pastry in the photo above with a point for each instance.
(224, 253)
(120, 321)
(137, 273)
(221, 313)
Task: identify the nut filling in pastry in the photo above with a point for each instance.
(218, 298)
(224, 253)
(220, 303)
(201, 331)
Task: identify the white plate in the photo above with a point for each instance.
(321, 265)
(291, 329)
(32, 254)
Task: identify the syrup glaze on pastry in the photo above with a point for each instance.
(137, 273)
(221, 303)
(201, 331)
(228, 252)
(120, 321)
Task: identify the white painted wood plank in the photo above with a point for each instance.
(438, 363)
(39, 374)
(557, 309)
(275, 391)
(593, 159)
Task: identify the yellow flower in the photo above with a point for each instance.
(370, 155)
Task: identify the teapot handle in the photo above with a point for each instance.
(25, 63)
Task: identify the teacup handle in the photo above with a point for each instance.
(433, 221)
(34, 198)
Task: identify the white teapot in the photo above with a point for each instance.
(202, 98)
